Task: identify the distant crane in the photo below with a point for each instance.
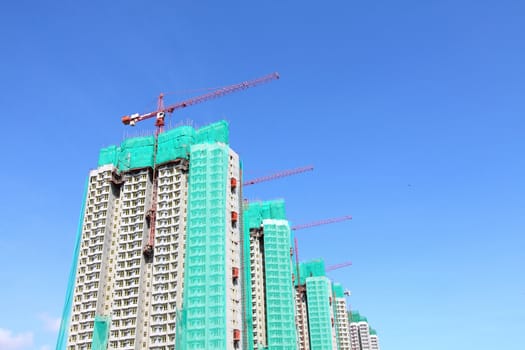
(338, 266)
(160, 114)
(278, 175)
(314, 224)
(321, 222)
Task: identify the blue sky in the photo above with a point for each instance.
(410, 111)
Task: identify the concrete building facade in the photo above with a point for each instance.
(340, 311)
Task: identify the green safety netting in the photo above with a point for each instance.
(108, 155)
(319, 321)
(180, 332)
(255, 212)
(280, 302)
(313, 268)
(338, 290)
(204, 305)
(372, 331)
(101, 332)
(280, 295)
(175, 143)
(216, 132)
(355, 316)
(136, 153)
(68, 304)
(273, 210)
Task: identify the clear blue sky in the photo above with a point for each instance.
(412, 113)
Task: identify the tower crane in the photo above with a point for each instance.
(314, 224)
(160, 114)
(161, 111)
(338, 266)
(321, 222)
(278, 175)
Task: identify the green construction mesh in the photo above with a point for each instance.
(66, 312)
(101, 332)
(280, 305)
(274, 210)
(355, 316)
(313, 268)
(175, 144)
(338, 290)
(372, 331)
(180, 333)
(216, 132)
(277, 236)
(319, 321)
(108, 155)
(205, 263)
(136, 153)
(255, 212)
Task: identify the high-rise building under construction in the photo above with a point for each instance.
(270, 316)
(159, 247)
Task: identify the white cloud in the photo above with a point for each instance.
(50, 323)
(10, 341)
(45, 347)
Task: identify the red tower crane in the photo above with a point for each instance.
(160, 114)
(321, 222)
(313, 224)
(338, 266)
(278, 175)
(161, 110)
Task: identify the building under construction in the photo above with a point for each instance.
(362, 335)
(168, 256)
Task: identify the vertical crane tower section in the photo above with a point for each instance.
(159, 116)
